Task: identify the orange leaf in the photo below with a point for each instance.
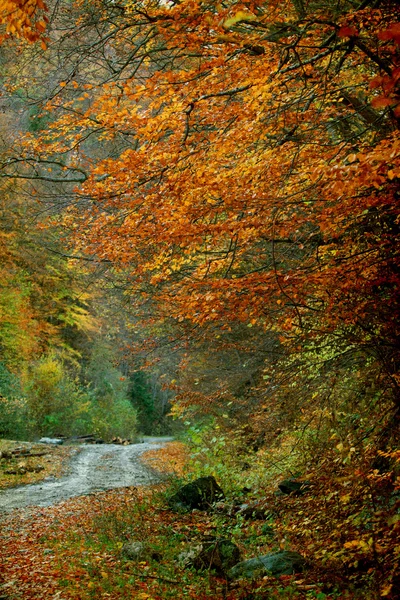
(382, 101)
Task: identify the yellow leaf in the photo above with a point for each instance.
(240, 16)
(393, 519)
(386, 590)
(352, 544)
(104, 575)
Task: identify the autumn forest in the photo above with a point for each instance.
(200, 237)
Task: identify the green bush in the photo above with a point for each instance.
(52, 401)
(113, 417)
(58, 404)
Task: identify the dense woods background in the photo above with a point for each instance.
(200, 216)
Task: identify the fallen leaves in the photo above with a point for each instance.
(171, 460)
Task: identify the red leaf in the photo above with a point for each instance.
(381, 102)
(347, 31)
(391, 33)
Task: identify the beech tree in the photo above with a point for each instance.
(238, 163)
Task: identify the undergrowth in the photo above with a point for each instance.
(346, 525)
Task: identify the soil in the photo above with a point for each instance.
(95, 468)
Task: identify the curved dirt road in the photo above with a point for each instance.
(95, 468)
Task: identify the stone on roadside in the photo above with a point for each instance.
(294, 486)
(216, 555)
(254, 510)
(284, 562)
(139, 551)
(200, 494)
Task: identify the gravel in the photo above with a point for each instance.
(95, 468)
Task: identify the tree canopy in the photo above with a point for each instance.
(238, 162)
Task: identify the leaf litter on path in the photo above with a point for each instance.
(38, 559)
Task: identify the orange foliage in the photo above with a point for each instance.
(256, 171)
(24, 19)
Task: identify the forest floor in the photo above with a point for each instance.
(74, 548)
(41, 514)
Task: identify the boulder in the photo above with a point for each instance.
(217, 555)
(275, 563)
(294, 486)
(139, 551)
(254, 510)
(200, 493)
(187, 556)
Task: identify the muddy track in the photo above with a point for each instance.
(94, 468)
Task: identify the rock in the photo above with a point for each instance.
(54, 441)
(139, 551)
(294, 486)
(200, 493)
(213, 555)
(253, 510)
(134, 550)
(217, 555)
(186, 557)
(276, 564)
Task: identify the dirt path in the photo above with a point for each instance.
(95, 468)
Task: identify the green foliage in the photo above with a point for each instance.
(144, 402)
(58, 404)
(221, 453)
(14, 410)
(38, 120)
(18, 328)
(113, 414)
(9, 383)
(113, 417)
